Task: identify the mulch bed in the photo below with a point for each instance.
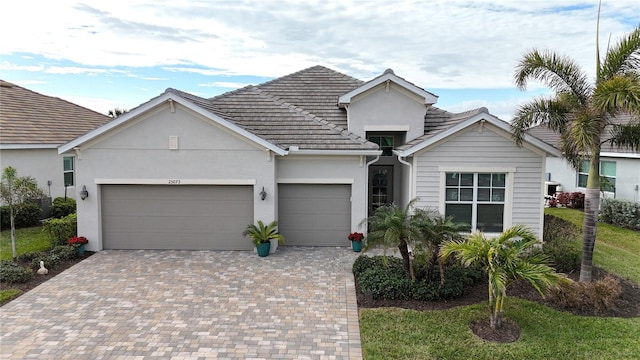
(626, 306)
(39, 279)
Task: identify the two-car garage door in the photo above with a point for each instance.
(176, 217)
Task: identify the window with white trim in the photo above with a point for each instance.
(607, 175)
(68, 168)
(476, 199)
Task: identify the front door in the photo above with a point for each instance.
(380, 186)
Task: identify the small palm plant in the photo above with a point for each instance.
(262, 233)
(505, 258)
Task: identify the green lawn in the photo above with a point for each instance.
(27, 239)
(389, 333)
(617, 250)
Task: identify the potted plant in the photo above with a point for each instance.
(78, 242)
(356, 241)
(261, 235)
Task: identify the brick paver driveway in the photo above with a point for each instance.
(296, 304)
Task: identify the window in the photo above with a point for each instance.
(68, 169)
(476, 199)
(385, 143)
(607, 175)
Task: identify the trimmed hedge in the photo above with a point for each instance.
(11, 272)
(560, 237)
(391, 282)
(61, 230)
(62, 207)
(28, 214)
(620, 213)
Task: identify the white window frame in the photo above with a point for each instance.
(72, 171)
(508, 193)
(588, 162)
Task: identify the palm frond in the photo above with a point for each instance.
(619, 93)
(626, 135)
(551, 111)
(560, 73)
(623, 57)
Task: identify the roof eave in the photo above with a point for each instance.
(429, 99)
(27, 146)
(336, 152)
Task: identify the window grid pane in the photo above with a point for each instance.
(476, 198)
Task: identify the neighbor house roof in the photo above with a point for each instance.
(32, 120)
(549, 136)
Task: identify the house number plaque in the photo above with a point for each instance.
(174, 181)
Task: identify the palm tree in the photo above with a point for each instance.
(580, 111)
(505, 259)
(114, 113)
(391, 226)
(437, 229)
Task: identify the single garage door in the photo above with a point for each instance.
(181, 217)
(314, 214)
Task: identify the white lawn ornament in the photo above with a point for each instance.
(43, 270)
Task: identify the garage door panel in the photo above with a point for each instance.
(314, 214)
(176, 217)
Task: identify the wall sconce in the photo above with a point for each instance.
(84, 193)
(263, 194)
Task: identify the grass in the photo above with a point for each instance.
(390, 333)
(27, 240)
(617, 250)
(6, 295)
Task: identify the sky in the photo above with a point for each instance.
(108, 54)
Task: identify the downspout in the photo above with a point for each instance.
(403, 162)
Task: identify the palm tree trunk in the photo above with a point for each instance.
(404, 251)
(12, 218)
(591, 207)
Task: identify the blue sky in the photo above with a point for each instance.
(107, 54)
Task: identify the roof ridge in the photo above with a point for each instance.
(209, 102)
(231, 92)
(312, 117)
(470, 112)
(304, 70)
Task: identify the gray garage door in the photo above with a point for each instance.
(314, 215)
(176, 217)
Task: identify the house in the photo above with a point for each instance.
(619, 167)
(32, 126)
(316, 150)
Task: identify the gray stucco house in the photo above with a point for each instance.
(316, 150)
(32, 126)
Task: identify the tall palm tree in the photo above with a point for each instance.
(391, 226)
(505, 259)
(579, 112)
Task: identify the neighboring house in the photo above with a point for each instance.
(619, 167)
(32, 126)
(316, 150)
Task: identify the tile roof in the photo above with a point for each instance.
(27, 117)
(547, 135)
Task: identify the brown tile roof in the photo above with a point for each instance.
(547, 135)
(27, 117)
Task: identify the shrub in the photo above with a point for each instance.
(11, 272)
(64, 252)
(563, 199)
(382, 283)
(27, 257)
(576, 200)
(598, 295)
(557, 229)
(28, 214)
(621, 213)
(364, 262)
(63, 207)
(51, 261)
(61, 230)
(559, 245)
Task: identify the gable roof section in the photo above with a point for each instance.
(389, 75)
(192, 102)
(31, 120)
(440, 124)
(549, 136)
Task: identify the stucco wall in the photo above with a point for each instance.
(139, 154)
(476, 151)
(43, 165)
(627, 176)
(379, 110)
(329, 170)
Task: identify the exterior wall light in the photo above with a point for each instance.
(263, 194)
(84, 193)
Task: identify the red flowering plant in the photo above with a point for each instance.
(78, 240)
(355, 236)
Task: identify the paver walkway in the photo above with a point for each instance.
(298, 303)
